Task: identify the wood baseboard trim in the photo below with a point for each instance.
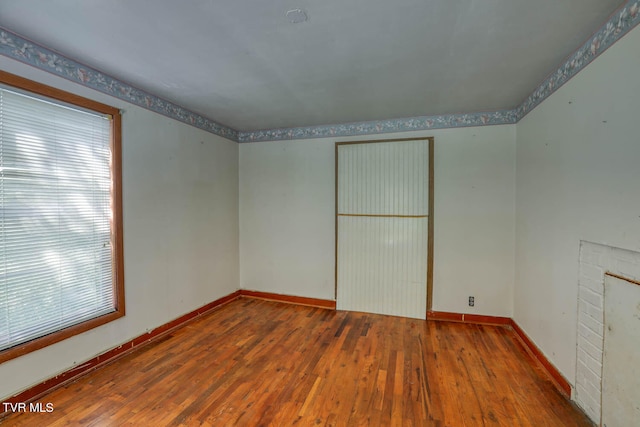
(39, 390)
(560, 381)
(468, 318)
(313, 302)
(76, 372)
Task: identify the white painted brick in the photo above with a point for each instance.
(589, 375)
(625, 255)
(588, 404)
(591, 297)
(590, 257)
(591, 271)
(578, 396)
(594, 392)
(587, 409)
(592, 284)
(595, 366)
(583, 393)
(595, 259)
(595, 351)
(594, 416)
(591, 323)
(608, 263)
(581, 354)
(583, 380)
(591, 310)
(588, 247)
(590, 399)
(594, 413)
(591, 337)
(588, 396)
(583, 373)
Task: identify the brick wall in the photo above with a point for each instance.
(595, 261)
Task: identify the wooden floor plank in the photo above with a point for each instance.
(261, 363)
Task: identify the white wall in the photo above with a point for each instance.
(578, 178)
(180, 191)
(287, 211)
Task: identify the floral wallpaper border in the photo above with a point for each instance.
(20, 49)
(620, 23)
(383, 126)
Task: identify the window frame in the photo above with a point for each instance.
(116, 225)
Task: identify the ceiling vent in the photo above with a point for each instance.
(295, 16)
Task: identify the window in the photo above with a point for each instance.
(60, 216)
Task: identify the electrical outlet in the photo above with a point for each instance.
(472, 301)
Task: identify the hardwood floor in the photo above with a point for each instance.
(260, 363)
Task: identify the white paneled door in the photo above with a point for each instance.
(382, 227)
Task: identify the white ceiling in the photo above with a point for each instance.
(242, 64)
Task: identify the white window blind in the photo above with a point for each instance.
(56, 259)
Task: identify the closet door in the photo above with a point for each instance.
(382, 227)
